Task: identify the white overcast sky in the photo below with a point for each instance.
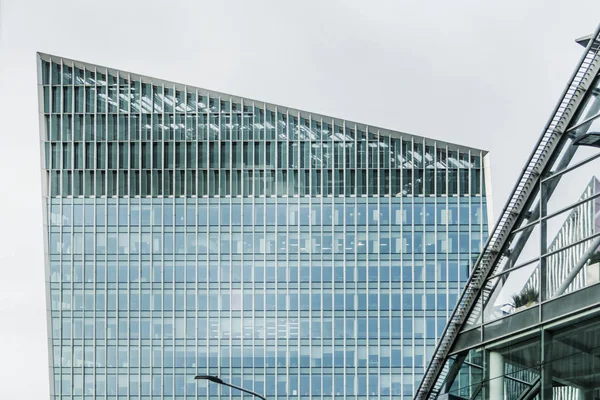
(481, 73)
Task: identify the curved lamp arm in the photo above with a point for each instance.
(220, 381)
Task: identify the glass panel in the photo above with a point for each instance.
(573, 364)
(45, 72)
(512, 292)
(563, 190)
(517, 240)
(511, 371)
(572, 225)
(524, 246)
(573, 268)
(469, 373)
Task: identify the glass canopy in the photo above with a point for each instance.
(526, 324)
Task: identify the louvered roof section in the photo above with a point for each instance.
(270, 106)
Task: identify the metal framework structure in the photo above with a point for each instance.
(470, 306)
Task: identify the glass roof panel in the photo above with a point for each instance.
(564, 190)
(513, 291)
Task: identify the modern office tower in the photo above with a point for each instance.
(193, 232)
(527, 325)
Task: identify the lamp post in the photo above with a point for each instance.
(216, 379)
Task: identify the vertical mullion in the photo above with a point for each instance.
(414, 199)
(197, 166)
(185, 139)
(94, 204)
(378, 200)
(72, 139)
(162, 140)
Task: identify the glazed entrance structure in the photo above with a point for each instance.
(527, 325)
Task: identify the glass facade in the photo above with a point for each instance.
(533, 332)
(192, 232)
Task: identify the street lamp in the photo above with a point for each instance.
(220, 381)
